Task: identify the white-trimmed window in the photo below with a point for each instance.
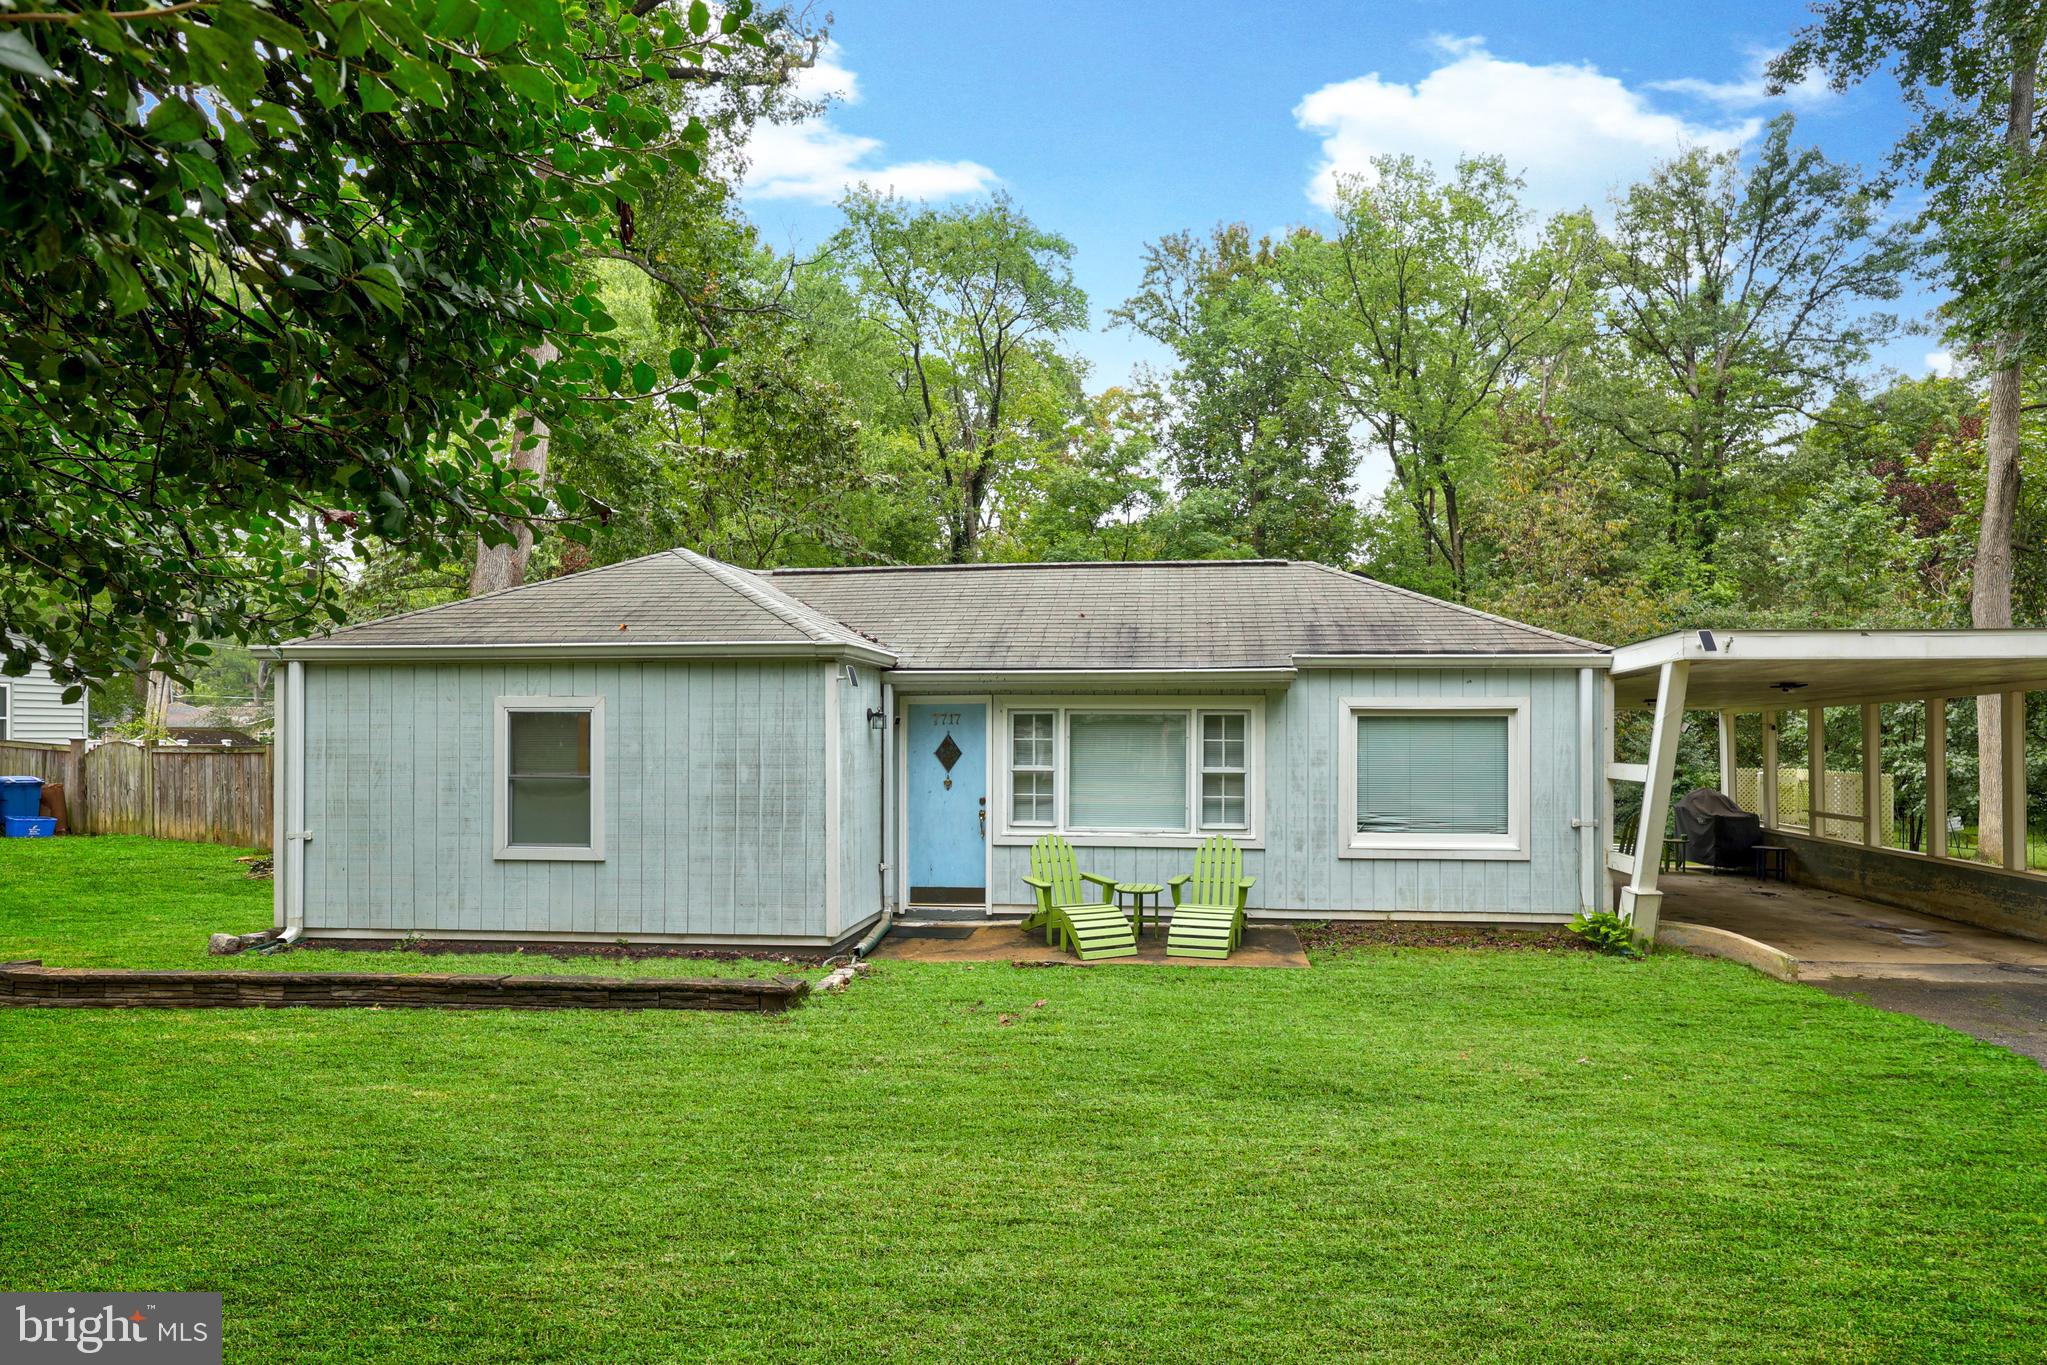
(1225, 770)
(1123, 771)
(6, 710)
(1439, 777)
(1032, 741)
(549, 794)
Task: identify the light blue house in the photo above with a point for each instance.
(676, 750)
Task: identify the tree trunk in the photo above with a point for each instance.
(504, 566)
(1990, 581)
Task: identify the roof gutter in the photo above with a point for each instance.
(323, 651)
(1588, 659)
(915, 679)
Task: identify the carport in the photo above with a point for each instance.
(1841, 826)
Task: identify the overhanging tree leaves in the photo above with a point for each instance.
(275, 277)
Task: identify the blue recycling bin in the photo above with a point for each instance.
(21, 797)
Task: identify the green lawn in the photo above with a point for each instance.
(128, 902)
(1418, 1154)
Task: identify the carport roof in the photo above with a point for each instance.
(1753, 670)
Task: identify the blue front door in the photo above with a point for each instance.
(946, 780)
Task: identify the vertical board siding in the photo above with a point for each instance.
(713, 801)
(1299, 870)
(860, 802)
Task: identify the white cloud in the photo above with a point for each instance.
(1942, 364)
(1573, 132)
(1752, 89)
(814, 160)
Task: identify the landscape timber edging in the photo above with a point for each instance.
(29, 985)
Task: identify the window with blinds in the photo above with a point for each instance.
(1432, 774)
(1127, 770)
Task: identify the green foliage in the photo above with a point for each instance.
(277, 277)
(959, 313)
(1607, 932)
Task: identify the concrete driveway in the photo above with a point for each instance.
(1986, 984)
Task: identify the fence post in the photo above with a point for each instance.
(149, 789)
(74, 786)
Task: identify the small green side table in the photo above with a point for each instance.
(1673, 855)
(1134, 893)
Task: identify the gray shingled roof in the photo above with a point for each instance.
(1196, 614)
(674, 597)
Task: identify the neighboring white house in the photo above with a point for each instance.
(33, 708)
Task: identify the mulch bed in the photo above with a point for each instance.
(1545, 938)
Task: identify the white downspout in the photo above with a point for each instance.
(888, 797)
(295, 831)
(1591, 837)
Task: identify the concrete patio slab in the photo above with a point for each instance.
(1992, 986)
(1264, 945)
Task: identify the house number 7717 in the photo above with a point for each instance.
(945, 718)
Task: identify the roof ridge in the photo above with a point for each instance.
(814, 624)
(482, 597)
(1025, 564)
(1454, 606)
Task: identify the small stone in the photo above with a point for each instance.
(225, 945)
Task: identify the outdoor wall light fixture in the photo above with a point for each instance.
(1787, 686)
(877, 719)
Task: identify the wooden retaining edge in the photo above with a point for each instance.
(30, 985)
(1706, 941)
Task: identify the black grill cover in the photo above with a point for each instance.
(1717, 833)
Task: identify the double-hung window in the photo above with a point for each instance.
(1444, 777)
(549, 801)
(1113, 769)
(1031, 739)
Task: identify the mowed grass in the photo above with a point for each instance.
(118, 901)
(1407, 1155)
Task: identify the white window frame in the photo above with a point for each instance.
(504, 849)
(1510, 847)
(6, 710)
(1250, 834)
(1202, 768)
(1008, 788)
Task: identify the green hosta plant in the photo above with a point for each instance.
(1607, 932)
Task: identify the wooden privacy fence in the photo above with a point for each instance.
(206, 795)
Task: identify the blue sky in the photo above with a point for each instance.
(1114, 125)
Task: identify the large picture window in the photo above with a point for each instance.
(1118, 771)
(550, 765)
(1435, 778)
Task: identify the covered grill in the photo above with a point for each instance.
(1717, 832)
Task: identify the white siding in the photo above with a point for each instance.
(37, 711)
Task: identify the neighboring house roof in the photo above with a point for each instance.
(1259, 613)
(1199, 614)
(674, 598)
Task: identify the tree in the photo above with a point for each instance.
(966, 305)
(1420, 312)
(1258, 447)
(1730, 311)
(275, 278)
(1970, 70)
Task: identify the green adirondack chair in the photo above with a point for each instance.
(1208, 905)
(1089, 928)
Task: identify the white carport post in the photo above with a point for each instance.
(1936, 777)
(1640, 900)
(1728, 772)
(2013, 780)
